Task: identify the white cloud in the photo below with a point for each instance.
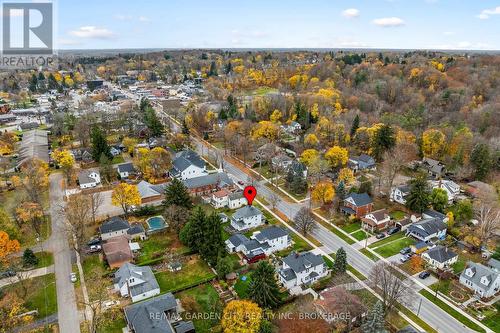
(144, 19)
(389, 22)
(122, 17)
(350, 13)
(486, 13)
(92, 32)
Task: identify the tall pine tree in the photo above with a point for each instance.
(340, 263)
(375, 322)
(419, 197)
(176, 193)
(263, 288)
(99, 144)
(355, 126)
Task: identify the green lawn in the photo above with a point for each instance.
(241, 287)
(387, 240)
(114, 325)
(370, 255)
(117, 159)
(359, 235)
(356, 273)
(397, 215)
(41, 294)
(155, 247)
(44, 259)
(493, 321)
(328, 262)
(394, 247)
(206, 299)
(91, 263)
(454, 313)
(192, 272)
(351, 227)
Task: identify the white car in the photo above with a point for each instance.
(110, 304)
(72, 277)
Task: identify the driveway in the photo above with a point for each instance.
(67, 313)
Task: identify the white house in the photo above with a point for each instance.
(246, 218)
(302, 269)
(451, 188)
(484, 281)
(427, 229)
(440, 257)
(399, 193)
(89, 179)
(268, 240)
(236, 200)
(187, 164)
(113, 227)
(125, 170)
(136, 282)
(220, 198)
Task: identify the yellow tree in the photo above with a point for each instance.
(323, 192)
(266, 129)
(7, 246)
(160, 162)
(311, 140)
(433, 143)
(241, 317)
(64, 160)
(346, 175)
(30, 212)
(276, 116)
(337, 156)
(125, 196)
(461, 145)
(142, 161)
(34, 178)
(130, 144)
(308, 156)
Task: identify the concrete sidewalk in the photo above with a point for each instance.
(27, 275)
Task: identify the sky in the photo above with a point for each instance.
(396, 24)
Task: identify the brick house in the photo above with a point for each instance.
(357, 204)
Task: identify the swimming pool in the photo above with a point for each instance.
(156, 223)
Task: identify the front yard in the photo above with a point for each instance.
(193, 271)
(394, 247)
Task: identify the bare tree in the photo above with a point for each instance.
(78, 214)
(489, 222)
(304, 221)
(393, 290)
(97, 295)
(96, 200)
(176, 216)
(394, 160)
(274, 199)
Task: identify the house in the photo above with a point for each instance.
(150, 192)
(268, 240)
(298, 169)
(434, 168)
(135, 231)
(281, 161)
(125, 170)
(35, 144)
(440, 257)
(113, 227)
(265, 151)
(452, 189)
(220, 198)
(483, 280)
(159, 314)
(82, 154)
(399, 194)
(292, 128)
(376, 220)
(89, 178)
(358, 204)
(247, 217)
(136, 282)
(207, 184)
(187, 164)
(419, 247)
(427, 229)
(361, 162)
(27, 126)
(302, 269)
(117, 251)
(236, 200)
(115, 151)
(494, 264)
(430, 214)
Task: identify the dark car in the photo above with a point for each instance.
(393, 230)
(241, 182)
(380, 235)
(94, 241)
(424, 275)
(405, 250)
(8, 273)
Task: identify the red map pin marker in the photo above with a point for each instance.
(250, 192)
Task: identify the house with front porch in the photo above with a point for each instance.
(299, 269)
(357, 204)
(427, 229)
(483, 280)
(440, 257)
(376, 221)
(246, 218)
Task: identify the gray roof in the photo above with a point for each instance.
(84, 178)
(495, 264)
(238, 239)
(236, 195)
(298, 261)
(360, 199)
(427, 227)
(126, 167)
(145, 273)
(440, 254)
(186, 158)
(480, 271)
(149, 316)
(270, 233)
(135, 228)
(433, 165)
(147, 190)
(245, 212)
(35, 144)
(434, 214)
(221, 178)
(288, 274)
(363, 158)
(113, 224)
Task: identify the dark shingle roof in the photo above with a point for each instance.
(298, 261)
(440, 253)
(360, 199)
(212, 179)
(149, 316)
(114, 224)
(135, 228)
(238, 239)
(270, 233)
(427, 227)
(126, 167)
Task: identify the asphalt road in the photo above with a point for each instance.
(67, 314)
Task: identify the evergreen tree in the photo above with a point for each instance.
(213, 69)
(229, 68)
(41, 77)
(439, 199)
(481, 160)
(263, 288)
(384, 140)
(99, 144)
(29, 258)
(375, 322)
(341, 191)
(52, 83)
(33, 83)
(192, 233)
(419, 196)
(152, 122)
(302, 115)
(223, 266)
(106, 168)
(177, 194)
(355, 126)
(185, 129)
(340, 263)
(213, 244)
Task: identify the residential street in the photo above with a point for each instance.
(68, 318)
(429, 312)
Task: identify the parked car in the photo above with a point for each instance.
(72, 277)
(393, 230)
(380, 235)
(405, 258)
(241, 182)
(94, 241)
(8, 273)
(424, 275)
(110, 304)
(95, 248)
(405, 250)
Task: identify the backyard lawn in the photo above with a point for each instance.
(394, 247)
(192, 272)
(241, 286)
(206, 299)
(156, 245)
(397, 215)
